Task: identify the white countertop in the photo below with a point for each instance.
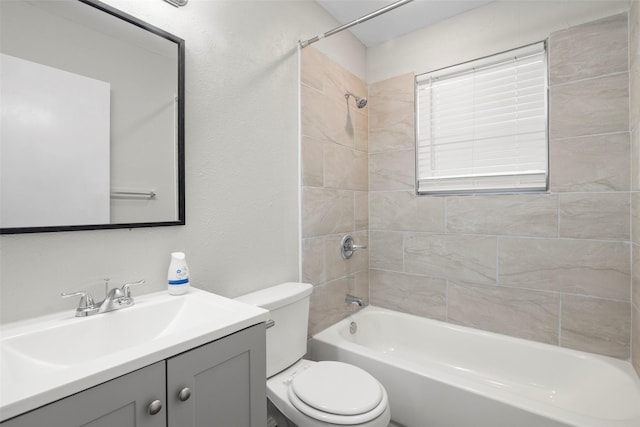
(50, 357)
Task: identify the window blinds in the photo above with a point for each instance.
(482, 126)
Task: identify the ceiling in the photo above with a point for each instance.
(397, 22)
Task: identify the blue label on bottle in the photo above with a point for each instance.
(178, 282)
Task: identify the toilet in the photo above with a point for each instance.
(305, 393)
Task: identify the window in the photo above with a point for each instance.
(482, 126)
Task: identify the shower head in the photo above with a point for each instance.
(360, 101)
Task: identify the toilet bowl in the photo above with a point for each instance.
(321, 394)
(307, 393)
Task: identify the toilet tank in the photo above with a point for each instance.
(288, 304)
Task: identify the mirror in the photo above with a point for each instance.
(92, 119)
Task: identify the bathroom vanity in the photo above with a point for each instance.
(224, 380)
(204, 362)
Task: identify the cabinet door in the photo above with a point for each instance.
(226, 380)
(121, 402)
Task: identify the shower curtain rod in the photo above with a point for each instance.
(380, 11)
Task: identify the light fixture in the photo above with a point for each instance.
(177, 3)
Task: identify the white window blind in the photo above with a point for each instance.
(482, 126)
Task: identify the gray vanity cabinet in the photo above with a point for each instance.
(223, 383)
(220, 384)
(121, 402)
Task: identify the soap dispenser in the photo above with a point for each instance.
(178, 276)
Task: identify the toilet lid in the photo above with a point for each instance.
(337, 388)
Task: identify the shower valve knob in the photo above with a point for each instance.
(347, 247)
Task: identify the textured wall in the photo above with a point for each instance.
(334, 186)
(634, 83)
(241, 162)
(549, 267)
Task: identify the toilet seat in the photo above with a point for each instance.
(337, 393)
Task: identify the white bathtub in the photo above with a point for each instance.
(442, 375)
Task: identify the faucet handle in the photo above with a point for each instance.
(125, 288)
(348, 246)
(86, 301)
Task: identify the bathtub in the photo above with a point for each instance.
(443, 375)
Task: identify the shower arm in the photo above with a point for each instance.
(360, 20)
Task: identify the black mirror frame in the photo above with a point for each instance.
(181, 135)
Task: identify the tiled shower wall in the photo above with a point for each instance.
(552, 267)
(634, 83)
(334, 187)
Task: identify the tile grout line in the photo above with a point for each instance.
(446, 300)
(586, 79)
(498, 281)
(560, 320)
(631, 187)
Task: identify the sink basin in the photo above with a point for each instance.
(48, 358)
(83, 340)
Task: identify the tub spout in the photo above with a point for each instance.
(350, 299)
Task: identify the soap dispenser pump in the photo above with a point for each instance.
(178, 276)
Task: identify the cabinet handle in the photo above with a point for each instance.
(155, 407)
(184, 394)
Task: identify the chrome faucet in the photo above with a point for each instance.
(350, 299)
(115, 299)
